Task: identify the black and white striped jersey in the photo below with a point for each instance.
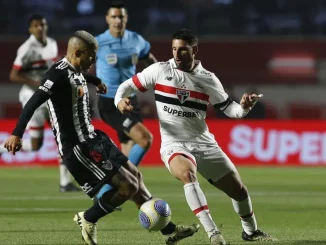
(65, 91)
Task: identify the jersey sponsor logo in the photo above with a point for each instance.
(112, 59)
(168, 78)
(107, 165)
(205, 73)
(86, 187)
(44, 89)
(97, 156)
(183, 95)
(79, 91)
(198, 85)
(134, 59)
(126, 123)
(48, 84)
(179, 113)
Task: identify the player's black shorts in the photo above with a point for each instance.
(120, 122)
(94, 162)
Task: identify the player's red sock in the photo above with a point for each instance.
(198, 204)
(244, 210)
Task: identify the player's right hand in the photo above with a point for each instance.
(13, 144)
(124, 105)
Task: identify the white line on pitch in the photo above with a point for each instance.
(168, 195)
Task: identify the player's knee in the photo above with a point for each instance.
(188, 177)
(139, 177)
(132, 189)
(129, 189)
(145, 140)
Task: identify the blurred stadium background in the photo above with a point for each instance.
(274, 47)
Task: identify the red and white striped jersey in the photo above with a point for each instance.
(182, 99)
(33, 59)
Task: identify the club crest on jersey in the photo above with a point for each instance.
(183, 95)
(79, 91)
(107, 165)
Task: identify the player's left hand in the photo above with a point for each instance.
(101, 88)
(249, 100)
(13, 144)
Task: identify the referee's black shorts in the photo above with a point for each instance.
(120, 122)
(94, 162)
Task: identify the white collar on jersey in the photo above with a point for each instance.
(34, 39)
(66, 60)
(198, 67)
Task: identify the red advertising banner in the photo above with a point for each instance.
(295, 143)
(234, 60)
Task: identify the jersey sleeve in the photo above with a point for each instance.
(145, 47)
(217, 96)
(146, 79)
(21, 57)
(37, 99)
(52, 81)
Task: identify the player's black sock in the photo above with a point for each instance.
(98, 210)
(169, 229)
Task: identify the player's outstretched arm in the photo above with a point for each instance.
(142, 82)
(121, 99)
(13, 143)
(101, 88)
(235, 110)
(248, 101)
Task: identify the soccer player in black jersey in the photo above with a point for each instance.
(90, 155)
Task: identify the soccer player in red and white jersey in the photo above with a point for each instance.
(34, 57)
(183, 89)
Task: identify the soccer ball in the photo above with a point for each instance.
(154, 214)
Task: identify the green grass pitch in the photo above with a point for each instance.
(289, 203)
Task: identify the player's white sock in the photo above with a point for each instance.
(64, 173)
(198, 204)
(248, 219)
(2, 148)
(27, 145)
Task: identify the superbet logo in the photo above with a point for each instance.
(277, 145)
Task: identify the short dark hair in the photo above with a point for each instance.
(186, 35)
(35, 17)
(118, 5)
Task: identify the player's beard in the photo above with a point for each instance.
(184, 66)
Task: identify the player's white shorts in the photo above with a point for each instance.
(211, 162)
(36, 124)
